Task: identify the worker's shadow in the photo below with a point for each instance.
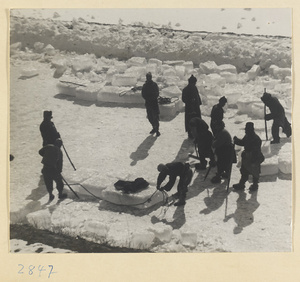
(142, 151)
(178, 218)
(39, 192)
(199, 185)
(244, 213)
(216, 199)
(187, 147)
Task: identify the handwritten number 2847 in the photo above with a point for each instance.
(32, 269)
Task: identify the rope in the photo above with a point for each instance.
(127, 205)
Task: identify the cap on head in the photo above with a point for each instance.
(149, 75)
(161, 167)
(47, 114)
(192, 79)
(223, 100)
(249, 126)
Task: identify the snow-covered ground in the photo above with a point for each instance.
(107, 134)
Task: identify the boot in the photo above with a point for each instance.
(275, 141)
(62, 196)
(157, 133)
(216, 179)
(152, 131)
(51, 197)
(238, 186)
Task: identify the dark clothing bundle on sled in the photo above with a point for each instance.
(135, 186)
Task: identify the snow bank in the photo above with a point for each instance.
(135, 44)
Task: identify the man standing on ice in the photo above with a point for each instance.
(48, 130)
(173, 170)
(224, 152)
(192, 100)
(252, 157)
(278, 116)
(217, 114)
(150, 93)
(53, 164)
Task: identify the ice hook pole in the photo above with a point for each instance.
(68, 157)
(64, 180)
(266, 128)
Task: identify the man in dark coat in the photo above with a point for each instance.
(52, 167)
(224, 151)
(173, 170)
(150, 93)
(217, 114)
(192, 100)
(252, 157)
(278, 116)
(48, 130)
(203, 140)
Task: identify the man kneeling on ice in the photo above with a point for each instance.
(53, 163)
(173, 170)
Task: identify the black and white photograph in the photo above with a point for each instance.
(150, 130)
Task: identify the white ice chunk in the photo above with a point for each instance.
(215, 78)
(270, 166)
(171, 91)
(226, 68)
(232, 95)
(257, 110)
(285, 163)
(40, 219)
(124, 80)
(155, 61)
(189, 239)
(180, 71)
(95, 229)
(137, 61)
(162, 232)
(208, 67)
(89, 93)
(266, 149)
(141, 240)
(253, 72)
(169, 72)
(137, 71)
(229, 77)
(49, 50)
(189, 66)
(29, 71)
(120, 66)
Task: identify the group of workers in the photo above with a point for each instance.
(215, 145)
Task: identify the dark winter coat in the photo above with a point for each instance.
(276, 109)
(252, 156)
(173, 170)
(192, 100)
(203, 138)
(52, 157)
(150, 93)
(48, 132)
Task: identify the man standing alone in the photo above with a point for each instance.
(191, 98)
(53, 163)
(150, 93)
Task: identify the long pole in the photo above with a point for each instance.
(64, 180)
(265, 112)
(68, 157)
